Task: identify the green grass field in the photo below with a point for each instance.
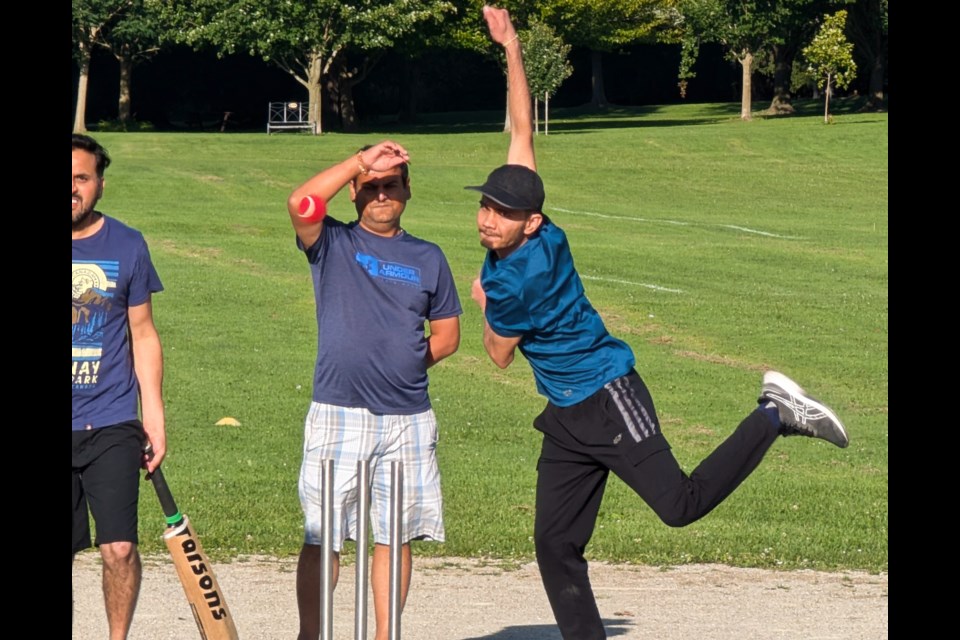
(715, 248)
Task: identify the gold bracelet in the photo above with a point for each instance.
(511, 40)
(363, 168)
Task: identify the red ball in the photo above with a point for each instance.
(312, 209)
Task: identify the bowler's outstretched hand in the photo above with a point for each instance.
(499, 24)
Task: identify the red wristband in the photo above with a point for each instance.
(312, 209)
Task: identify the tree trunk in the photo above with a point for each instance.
(536, 115)
(345, 105)
(314, 93)
(746, 61)
(331, 92)
(865, 28)
(546, 113)
(126, 74)
(826, 102)
(782, 68)
(876, 83)
(409, 89)
(599, 99)
(875, 88)
(80, 114)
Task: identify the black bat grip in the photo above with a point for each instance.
(167, 503)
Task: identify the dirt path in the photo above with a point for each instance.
(465, 599)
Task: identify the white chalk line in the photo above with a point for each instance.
(677, 222)
(610, 217)
(655, 287)
(760, 233)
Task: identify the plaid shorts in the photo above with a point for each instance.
(347, 435)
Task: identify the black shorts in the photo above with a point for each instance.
(106, 476)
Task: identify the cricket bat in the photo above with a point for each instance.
(194, 569)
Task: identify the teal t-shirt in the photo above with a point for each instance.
(536, 293)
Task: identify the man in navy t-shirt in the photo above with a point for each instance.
(599, 416)
(376, 288)
(117, 369)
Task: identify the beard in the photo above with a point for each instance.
(83, 215)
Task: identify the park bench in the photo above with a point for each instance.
(288, 115)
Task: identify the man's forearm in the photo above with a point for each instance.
(499, 349)
(148, 366)
(518, 92)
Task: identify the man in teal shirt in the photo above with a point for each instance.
(600, 416)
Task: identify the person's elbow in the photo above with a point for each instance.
(500, 357)
(499, 348)
(293, 203)
(502, 362)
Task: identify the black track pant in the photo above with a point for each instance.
(616, 429)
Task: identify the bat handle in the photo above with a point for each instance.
(167, 503)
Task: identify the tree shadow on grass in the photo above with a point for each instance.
(566, 120)
(810, 108)
(571, 120)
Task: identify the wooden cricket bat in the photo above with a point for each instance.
(200, 585)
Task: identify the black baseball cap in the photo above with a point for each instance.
(514, 186)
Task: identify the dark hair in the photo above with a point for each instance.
(404, 167)
(88, 144)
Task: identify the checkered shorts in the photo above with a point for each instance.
(346, 435)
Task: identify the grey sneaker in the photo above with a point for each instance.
(801, 414)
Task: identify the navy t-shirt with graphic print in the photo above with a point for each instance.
(112, 272)
(373, 296)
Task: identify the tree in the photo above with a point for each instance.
(794, 27)
(605, 26)
(305, 39)
(133, 36)
(737, 25)
(768, 30)
(831, 57)
(462, 28)
(867, 28)
(128, 29)
(546, 65)
(90, 17)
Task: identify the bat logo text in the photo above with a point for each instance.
(204, 578)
